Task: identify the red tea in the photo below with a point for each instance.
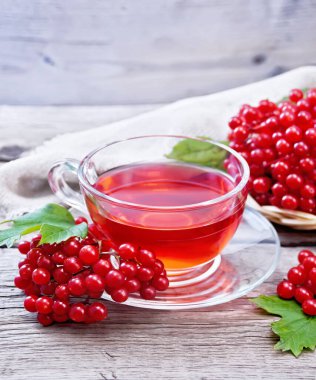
(165, 217)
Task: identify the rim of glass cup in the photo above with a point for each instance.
(243, 182)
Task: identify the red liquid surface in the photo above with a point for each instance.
(181, 238)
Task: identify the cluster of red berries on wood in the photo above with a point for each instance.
(60, 280)
(279, 143)
(301, 282)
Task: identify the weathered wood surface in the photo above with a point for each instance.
(132, 52)
(230, 341)
(23, 128)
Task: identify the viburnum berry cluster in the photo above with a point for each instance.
(60, 280)
(279, 143)
(301, 282)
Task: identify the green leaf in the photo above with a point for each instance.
(198, 152)
(52, 214)
(295, 329)
(53, 234)
(55, 223)
(9, 236)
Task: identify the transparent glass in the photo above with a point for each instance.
(136, 192)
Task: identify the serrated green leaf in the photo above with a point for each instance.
(54, 234)
(295, 329)
(198, 152)
(9, 236)
(52, 214)
(55, 223)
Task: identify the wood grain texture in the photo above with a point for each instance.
(23, 128)
(131, 52)
(230, 341)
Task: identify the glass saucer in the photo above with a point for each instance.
(248, 260)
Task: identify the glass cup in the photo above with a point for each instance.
(137, 192)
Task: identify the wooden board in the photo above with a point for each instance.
(230, 341)
(132, 52)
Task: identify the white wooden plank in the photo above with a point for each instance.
(131, 52)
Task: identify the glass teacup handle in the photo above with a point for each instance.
(60, 187)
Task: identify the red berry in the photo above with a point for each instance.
(296, 276)
(48, 289)
(308, 191)
(307, 164)
(234, 122)
(294, 181)
(289, 202)
(72, 265)
(145, 274)
(94, 283)
(35, 241)
(286, 290)
(148, 292)
(287, 119)
(129, 269)
(58, 257)
(307, 204)
(60, 307)
(146, 258)
(127, 251)
(278, 189)
(77, 286)
(72, 247)
(303, 118)
(24, 247)
(26, 271)
(89, 254)
(261, 185)
(158, 267)
(310, 286)
(301, 149)
(30, 303)
(296, 95)
(77, 312)
(240, 134)
(132, 285)
(62, 292)
(281, 168)
(44, 305)
(102, 267)
(257, 156)
(293, 134)
(23, 262)
(303, 254)
(114, 279)
(41, 276)
(283, 147)
(160, 283)
(309, 263)
(61, 276)
(119, 295)
(302, 294)
(45, 262)
(44, 319)
(33, 255)
(309, 307)
(97, 311)
(312, 276)
(310, 136)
